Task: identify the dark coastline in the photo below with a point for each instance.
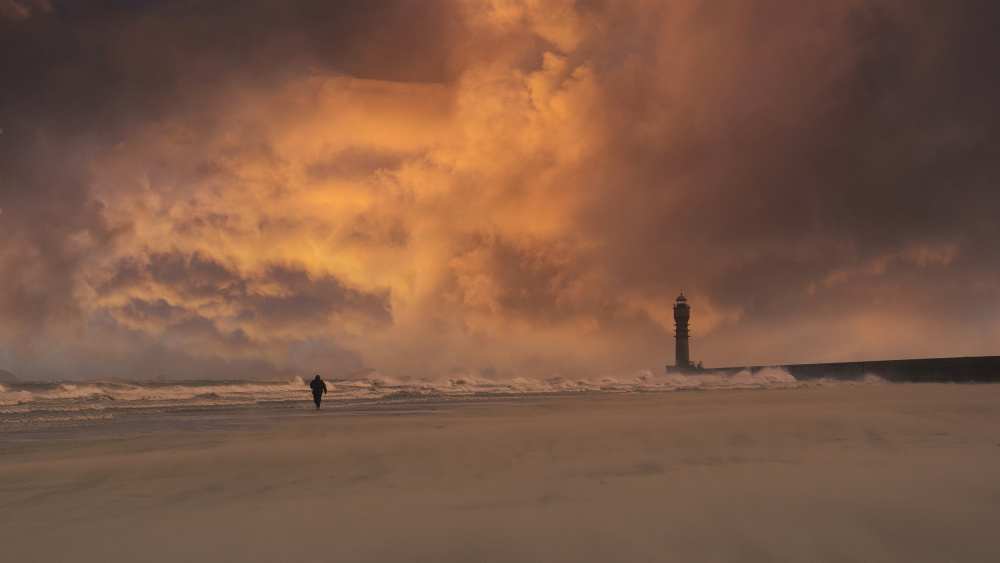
(976, 369)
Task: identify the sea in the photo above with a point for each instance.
(46, 410)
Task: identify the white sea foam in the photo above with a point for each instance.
(27, 403)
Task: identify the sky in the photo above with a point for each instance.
(500, 188)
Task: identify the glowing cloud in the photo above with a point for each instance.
(521, 188)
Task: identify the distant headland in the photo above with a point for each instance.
(8, 377)
(974, 369)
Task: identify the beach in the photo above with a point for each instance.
(902, 472)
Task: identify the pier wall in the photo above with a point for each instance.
(976, 369)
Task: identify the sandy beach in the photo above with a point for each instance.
(882, 473)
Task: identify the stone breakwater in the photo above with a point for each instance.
(978, 369)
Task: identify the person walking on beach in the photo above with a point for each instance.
(319, 389)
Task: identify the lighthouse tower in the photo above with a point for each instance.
(682, 313)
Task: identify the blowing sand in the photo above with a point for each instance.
(894, 473)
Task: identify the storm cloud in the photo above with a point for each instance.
(494, 186)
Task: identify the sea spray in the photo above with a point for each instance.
(70, 409)
(19, 400)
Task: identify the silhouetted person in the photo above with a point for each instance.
(319, 389)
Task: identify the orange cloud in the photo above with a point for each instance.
(524, 187)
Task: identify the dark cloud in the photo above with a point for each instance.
(850, 132)
(353, 163)
(279, 180)
(279, 295)
(303, 296)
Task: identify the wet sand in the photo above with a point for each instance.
(894, 473)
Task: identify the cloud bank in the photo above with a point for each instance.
(511, 188)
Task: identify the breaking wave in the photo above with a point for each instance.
(89, 398)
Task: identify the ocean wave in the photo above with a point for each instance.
(105, 398)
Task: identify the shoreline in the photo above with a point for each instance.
(108, 420)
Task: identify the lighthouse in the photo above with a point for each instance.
(682, 313)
